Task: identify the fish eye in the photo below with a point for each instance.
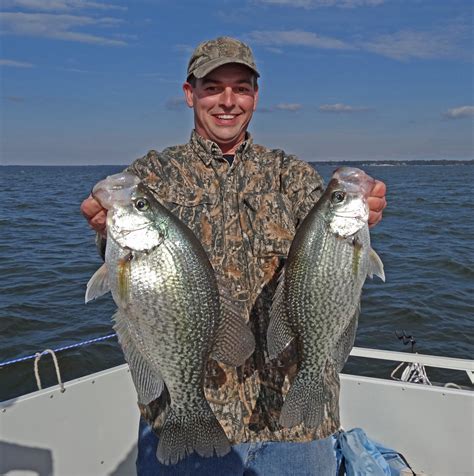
(338, 196)
(141, 204)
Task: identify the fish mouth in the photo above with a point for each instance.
(359, 216)
(125, 232)
(117, 188)
(354, 180)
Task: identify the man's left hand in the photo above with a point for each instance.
(377, 202)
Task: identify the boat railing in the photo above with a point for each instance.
(423, 359)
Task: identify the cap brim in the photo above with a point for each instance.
(206, 68)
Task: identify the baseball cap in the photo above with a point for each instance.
(211, 54)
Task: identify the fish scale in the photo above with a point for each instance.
(171, 316)
(177, 376)
(318, 296)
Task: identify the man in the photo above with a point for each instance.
(244, 202)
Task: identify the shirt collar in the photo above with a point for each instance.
(208, 150)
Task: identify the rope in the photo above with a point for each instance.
(59, 349)
(38, 356)
(413, 372)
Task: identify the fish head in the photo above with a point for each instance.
(134, 220)
(346, 196)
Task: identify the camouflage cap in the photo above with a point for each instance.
(211, 54)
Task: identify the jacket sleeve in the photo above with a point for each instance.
(303, 186)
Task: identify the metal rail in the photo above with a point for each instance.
(428, 360)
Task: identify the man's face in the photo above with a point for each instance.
(223, 103)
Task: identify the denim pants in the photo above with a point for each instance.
(314, 458)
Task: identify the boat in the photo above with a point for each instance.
(89, 426)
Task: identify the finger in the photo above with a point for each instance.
(379, 189)
(98, 221)
(376, 204)
(374, 218)
(91, 207)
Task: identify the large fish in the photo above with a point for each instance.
(171, 317)
(318, 297)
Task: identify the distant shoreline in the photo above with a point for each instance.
(362, 163)
(397, 163)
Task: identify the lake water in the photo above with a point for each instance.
(47, 255)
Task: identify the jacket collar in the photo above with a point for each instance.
(208, 150)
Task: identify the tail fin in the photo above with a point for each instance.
(304, 403)
(184, 432)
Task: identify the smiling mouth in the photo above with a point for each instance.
(225, 117)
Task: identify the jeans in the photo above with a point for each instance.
(270, 458)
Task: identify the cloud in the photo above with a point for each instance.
(60, 5)
(341, 108)
(188, 49)
(272, 49)
(297, 38)
(176, 103)
(160, 77)
(403, 45)
(15, 64)
(459, 112)
(76, 70)
(292, 107)
(408, 44)
(264, 109)
(285, 107)
(58, 27)
(323, 3)
(14, 98)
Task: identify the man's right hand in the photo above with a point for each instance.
(95, 214)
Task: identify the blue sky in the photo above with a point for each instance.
(92, 82)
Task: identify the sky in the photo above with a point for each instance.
(93, 82)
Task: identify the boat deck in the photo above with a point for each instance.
(91, 428)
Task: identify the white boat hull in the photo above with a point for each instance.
(91, 428)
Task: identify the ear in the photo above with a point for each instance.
(188, 94)
(255, 102)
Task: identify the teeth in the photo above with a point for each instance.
(225, 116)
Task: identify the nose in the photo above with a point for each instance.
(227, 97)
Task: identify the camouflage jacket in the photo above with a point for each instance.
(245, 215)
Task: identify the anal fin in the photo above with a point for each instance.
(148, 381)
(234, 342)
(279, 334)
(344, 345)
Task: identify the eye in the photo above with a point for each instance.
(338, 196)
(141, 204)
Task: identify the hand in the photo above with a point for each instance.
(95, 214)
(377, 202)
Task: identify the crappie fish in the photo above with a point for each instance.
(318, 296)
(171, 317)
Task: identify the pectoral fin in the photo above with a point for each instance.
(375, 266)
(98, 285)
(279, 334)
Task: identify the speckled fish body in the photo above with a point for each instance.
(170, 318)
(318, 298)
